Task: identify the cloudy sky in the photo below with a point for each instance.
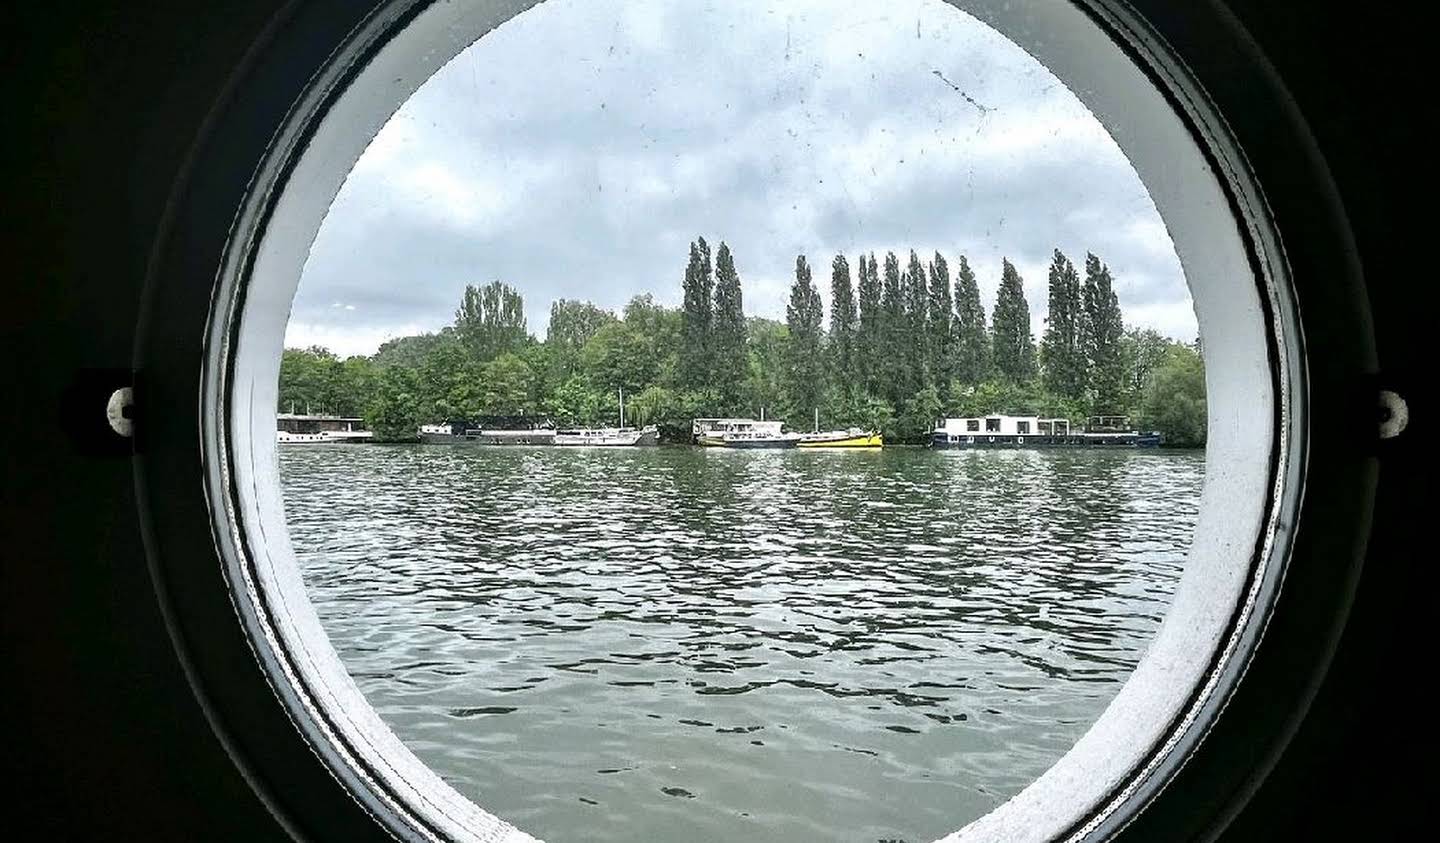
(577, 150)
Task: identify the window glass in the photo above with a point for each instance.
(647, 530)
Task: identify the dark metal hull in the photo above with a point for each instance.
(761, 444)
(1035, 440)
(488, 437)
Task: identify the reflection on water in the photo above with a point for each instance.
(677, 644)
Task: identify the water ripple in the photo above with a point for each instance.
(702, 645)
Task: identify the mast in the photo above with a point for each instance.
(622, 406)
(817, 419)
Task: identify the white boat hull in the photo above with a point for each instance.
(608, 437)
(324, 437)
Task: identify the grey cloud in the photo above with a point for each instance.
(576, 150)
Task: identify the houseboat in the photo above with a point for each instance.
(1116, 432)
(603, 437)
(742, 433)
(491, 431)
(306, 429)
(1002, 431)
(851, 438)
(599, 437)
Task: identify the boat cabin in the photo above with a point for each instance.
(1108, 424)
(518, 424)
(749, 427)
(1002, 425)
(305, 423)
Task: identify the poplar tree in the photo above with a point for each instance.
(1013, 346)
(729, 359)
(843, 320)
(972, 340)
(696, 317)
(1102, 331)
(917, 346)
(893, 333)
(804, 316)
(870, 335)
(1062, 351)
(941, 329)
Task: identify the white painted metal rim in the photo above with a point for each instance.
(1235, 272)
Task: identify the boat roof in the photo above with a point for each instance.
(308, 417)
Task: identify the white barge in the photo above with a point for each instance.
(306, 429)
(742, 433)
(1002, 431)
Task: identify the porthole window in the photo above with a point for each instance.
(542, 617)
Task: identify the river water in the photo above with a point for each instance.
(706, 645)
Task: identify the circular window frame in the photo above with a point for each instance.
(342, 770)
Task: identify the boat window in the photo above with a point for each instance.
(691, 261)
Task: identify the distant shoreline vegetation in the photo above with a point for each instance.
(904, 345)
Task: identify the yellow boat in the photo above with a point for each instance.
(852, 438)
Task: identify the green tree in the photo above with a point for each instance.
(917, 416)
(507, 383)
(1062, 351)
(572, 324)
(394, 413)
(491, 320)
(448, 384)
(313, 380)
(917, 345)
(302, 379)
(972, 340)
(729, 362)
(1142, 350)
(769, 346)
(941, 328)
(410, 351)
(870, 332)
(1012, 398)
(1102, 329)
(620, 356)
(1174, 401)
(893, 354)
(843, 326)
(697, 315)
(654, 405)
(867, 412)
(804, 316)
(358, 379)
(573, 403)
(661, 328)
(1012, 345)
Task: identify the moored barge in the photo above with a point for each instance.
(464, 433)
(608, 437)
(1002, 431)
(742, 433)
(852, 438)
(306, 429)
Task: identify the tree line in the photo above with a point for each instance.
(904, 345)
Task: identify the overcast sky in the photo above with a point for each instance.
(577, 150)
